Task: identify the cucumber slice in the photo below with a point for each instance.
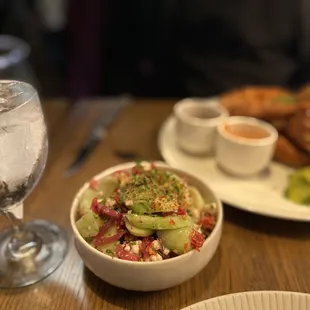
(139, 232)
(107, 186)
(109, 249)
(158, 222)
(140, 207)
(86, 201)
(197, 200)
(89, 224)
(106, 189)
(176, 240)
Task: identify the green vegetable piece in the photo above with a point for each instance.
(163, 204)
(107, 186)
(198, 202)
(89, 224)
(177, 240)
(109, 249)
(86, 201)
(299, 194)
(158, 222)
(139, 232)
(298, 189)
(302, 175)
(140, 207)
(106, 189)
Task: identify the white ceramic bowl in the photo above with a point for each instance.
(259, 300)
(148, 276)
(244, 156)
(197, 120)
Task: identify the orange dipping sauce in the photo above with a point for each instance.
(247, 131)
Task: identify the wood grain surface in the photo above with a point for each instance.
(255, 253)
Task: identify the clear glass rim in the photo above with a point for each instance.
(24, 85)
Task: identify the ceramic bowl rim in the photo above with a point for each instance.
(108, 258)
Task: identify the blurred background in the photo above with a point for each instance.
(78, 48)
(164, 48)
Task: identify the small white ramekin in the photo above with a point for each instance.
(244, 156)
(193, 134)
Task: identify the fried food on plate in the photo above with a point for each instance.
(260, 101)
(287, 153)
(304, 93)
(298, 128)
(289, 113)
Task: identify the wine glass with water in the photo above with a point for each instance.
(28, 251)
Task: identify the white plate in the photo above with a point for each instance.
(265, 300)
(261, 194)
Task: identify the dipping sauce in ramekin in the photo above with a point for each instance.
(245, 145)
(247, 131)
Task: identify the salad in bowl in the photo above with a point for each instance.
(145, 214)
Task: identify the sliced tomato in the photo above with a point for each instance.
(197, 240)
(145, 246)
(116, 197)
(122, 254)
(120, 223)
(103, 229)
(120, 172)
(100, 210)
(97, 241)
(94, 185)
(136, 170)
(95, 206)
(110, 212)
(208, 222)
(181, 211)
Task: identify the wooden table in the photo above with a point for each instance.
(255, 253)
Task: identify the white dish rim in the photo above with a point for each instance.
(264, 292)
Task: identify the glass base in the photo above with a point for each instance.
(31, 269)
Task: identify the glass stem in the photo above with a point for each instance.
(23, 243)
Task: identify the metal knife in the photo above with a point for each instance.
(97, 134)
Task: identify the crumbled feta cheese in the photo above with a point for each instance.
(127, 247)
(146, 166)
(110, 202)
(135, 247)
(128, 203)
(156, 245)
(210, 208)
(198, 228)
(155, 257)
(195, 214)
(166, 251)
